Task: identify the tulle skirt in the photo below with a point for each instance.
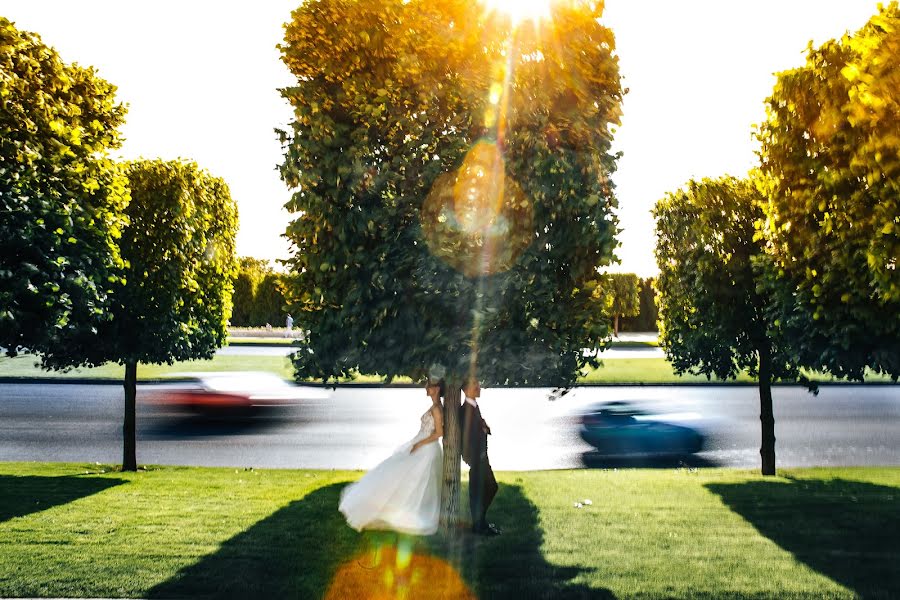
(403, 493)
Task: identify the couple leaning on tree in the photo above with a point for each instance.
(403, 493)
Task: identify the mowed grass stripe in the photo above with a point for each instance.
(707, 533)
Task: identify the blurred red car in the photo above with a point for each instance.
(228, 391)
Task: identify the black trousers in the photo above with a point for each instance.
(482, 489)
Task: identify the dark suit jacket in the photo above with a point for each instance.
(474, 436)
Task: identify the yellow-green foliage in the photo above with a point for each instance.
(831, 159)
(61, 197)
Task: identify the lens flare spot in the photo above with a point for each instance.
(477, 219)
(397, 574)
(496, 93)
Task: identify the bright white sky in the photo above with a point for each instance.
(200, 79)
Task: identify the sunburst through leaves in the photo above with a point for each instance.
(477, 219)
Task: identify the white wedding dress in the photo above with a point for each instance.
(403, 493)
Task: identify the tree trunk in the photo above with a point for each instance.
(616, 325)
(129, 456)
(450, 509)
(766, 416)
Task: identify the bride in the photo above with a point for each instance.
(403, 493)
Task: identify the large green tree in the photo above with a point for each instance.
(624, 297)
(714, 319)
(61, 197)
(174, 299)
(452, 186)
(830, 154)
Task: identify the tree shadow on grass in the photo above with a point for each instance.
(306, 550)
(289, 554)
(27, 494)
(848, 531)
(512, 565)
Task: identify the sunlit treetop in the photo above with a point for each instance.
(453, 193)
(830, 155)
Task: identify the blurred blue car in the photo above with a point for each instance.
(619, 429)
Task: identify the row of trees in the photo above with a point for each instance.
(795, 266)
(647, 313)
(453, 193)
(101, 261)
(630, 300)
(259, 295)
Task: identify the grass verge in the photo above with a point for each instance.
(25, 367)
(171, 532)
(613, 371)
(260, 341)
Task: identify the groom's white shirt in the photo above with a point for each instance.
(471, 401)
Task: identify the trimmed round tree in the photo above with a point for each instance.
(830, 154)
(61, 197)
(453, 194)
(174, 299)
(713, 318)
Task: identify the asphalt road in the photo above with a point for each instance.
(356, 428)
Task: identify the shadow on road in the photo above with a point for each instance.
(24, 495)
(592, 460)
(845, 530)
(306, 550)
(187, 425)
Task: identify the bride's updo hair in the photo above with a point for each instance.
(440, 384)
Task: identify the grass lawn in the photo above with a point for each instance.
(635, 344)
(659, 370)
(172, 532)
(614, 370)
(642, 370)
(24, 366)
(260, 341)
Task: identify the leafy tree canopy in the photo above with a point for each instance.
(452, 187)
(61, 198)
(175, 298)
(831, 159)
(713, 319)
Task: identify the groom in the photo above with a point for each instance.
(482, 484)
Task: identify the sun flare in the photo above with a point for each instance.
(521, 10)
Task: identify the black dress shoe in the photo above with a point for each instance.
(488, 529)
